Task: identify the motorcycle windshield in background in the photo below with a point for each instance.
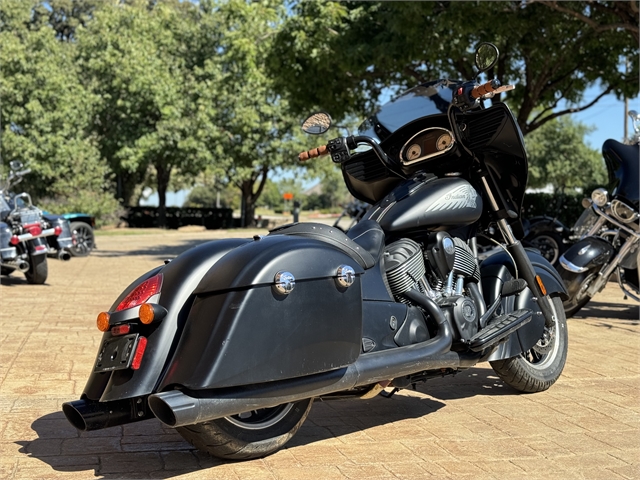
(5, 208)
(430, 98)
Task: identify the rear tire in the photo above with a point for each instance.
(538, 368)
(38, 270)
(251, 435)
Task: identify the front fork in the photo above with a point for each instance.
(522, 262)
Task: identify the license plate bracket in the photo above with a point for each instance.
(116, 353)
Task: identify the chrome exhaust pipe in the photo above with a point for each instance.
(64, 255)
(23, 266)
(88, 415)
(175, 408)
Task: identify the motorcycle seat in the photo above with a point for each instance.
(331, 235)
(369, 235)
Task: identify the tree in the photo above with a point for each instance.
(257, 132)
(139, 58)
(558, 156)
(45, 115)
(340, 56)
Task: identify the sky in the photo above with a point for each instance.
(606, 117)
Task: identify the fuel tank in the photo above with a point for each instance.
(435, 204)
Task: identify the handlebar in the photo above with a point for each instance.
(489, 87)
(313, 153)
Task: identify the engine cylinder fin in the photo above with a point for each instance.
(465, 263)
(404, 265)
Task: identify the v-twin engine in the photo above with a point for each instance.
(446, 272)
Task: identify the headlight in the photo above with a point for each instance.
(600, 197)
(623, 212)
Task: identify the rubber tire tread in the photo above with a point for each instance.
(518, 373)
(38, 270)
(225, 440)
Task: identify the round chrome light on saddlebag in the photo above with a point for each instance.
(600, 197)
(346, 275)
(284, 283)
(623, 212)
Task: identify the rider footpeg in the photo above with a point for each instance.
(499, 328)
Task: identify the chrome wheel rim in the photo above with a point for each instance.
(544, 352)
(261, 418)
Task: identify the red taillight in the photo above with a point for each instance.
(35, 230)
(120, 330)
(142, 293)
(137, 357)
(14, 240)
(57, 230)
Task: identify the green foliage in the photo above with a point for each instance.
(208, 196)
(566, 208)
(340, 55)
(45, 115)
(558, 156)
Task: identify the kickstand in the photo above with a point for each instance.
(390, 394)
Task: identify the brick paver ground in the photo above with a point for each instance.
(468, 427)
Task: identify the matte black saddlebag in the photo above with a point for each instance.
(241, 330)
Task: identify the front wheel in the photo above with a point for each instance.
(538, 368)
(550, 246)
(248, 435)
(38, 269)
(85, 239)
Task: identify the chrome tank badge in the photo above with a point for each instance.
(463, 196)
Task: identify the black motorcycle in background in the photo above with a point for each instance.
(233, 340)
(25, 232)
(608, 231)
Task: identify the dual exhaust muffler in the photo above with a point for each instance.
(176, 408)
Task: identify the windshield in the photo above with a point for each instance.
(430, 98)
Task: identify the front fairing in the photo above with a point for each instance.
(430, 98)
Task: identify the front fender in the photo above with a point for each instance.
(499, 268)
(180, 278)
(587, 254)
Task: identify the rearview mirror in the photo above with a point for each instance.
(15, 165)
(486, 56)
(317, 123)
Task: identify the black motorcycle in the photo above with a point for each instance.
(231, 341)
(25, 232)
(609, 231)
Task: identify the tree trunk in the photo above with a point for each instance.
(164, 175)
(249, 197)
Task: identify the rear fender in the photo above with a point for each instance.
(499, 268)
(180, 277)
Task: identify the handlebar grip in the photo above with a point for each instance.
(313, 153)
(488, 87)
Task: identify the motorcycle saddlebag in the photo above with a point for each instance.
(7, 251)
(241, 330)
(65, 239)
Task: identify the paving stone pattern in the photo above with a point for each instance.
(471, 426)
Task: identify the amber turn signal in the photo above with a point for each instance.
(103, 321)
(146, 313)
(541, 285)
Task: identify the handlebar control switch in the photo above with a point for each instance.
(339, 150)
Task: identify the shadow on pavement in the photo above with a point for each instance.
(159, 251)
(148, 449)
(609, 310)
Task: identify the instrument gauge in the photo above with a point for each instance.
(444, 142)
(414, 151)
